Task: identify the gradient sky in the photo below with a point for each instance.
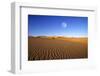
(71, 26)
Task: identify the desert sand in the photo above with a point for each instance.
(52, 48)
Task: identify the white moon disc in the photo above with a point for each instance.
(64, 25)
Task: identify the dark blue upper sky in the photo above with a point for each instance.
(43, 25)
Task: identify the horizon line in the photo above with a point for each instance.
(59, 36)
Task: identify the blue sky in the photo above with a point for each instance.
(71, 26)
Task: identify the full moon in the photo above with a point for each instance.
(64, 25)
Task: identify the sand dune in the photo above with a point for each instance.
(49, 48)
